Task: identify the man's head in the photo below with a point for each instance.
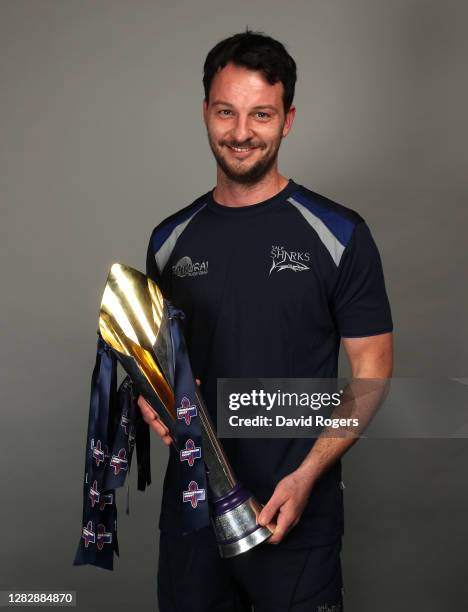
(249, 82)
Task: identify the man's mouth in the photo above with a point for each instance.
(241, 150)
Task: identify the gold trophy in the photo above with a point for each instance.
(134, 322)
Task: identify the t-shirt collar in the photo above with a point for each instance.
(249, 209)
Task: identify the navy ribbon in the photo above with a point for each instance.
(193, 482)
(113, 426)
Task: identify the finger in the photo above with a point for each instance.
(270, 509)
(152, 418)
(167, 439)
(149, 414)
(159, 427)
(161, 430)
(155, 422)
(197, 380)
(283, 525)
(146, 409)
(145, 406)
(164, 427)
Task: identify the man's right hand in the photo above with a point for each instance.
(151, 417)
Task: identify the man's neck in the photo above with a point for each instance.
(229, 193)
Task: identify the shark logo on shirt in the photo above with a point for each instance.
(288, 260)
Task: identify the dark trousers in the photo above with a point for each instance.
(192, 577)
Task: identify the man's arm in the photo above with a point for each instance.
(369, 357)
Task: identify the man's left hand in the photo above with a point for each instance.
(288, 500)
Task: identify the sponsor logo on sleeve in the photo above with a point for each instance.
(185, 267)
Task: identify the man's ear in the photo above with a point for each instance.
(205, 110)
(289, 120)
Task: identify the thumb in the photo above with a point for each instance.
(269, 510)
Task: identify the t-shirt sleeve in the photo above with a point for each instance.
(360, 302)
(151, 267)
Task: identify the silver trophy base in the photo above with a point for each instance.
(237, 530)
(244, 544)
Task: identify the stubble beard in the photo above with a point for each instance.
(253, 174)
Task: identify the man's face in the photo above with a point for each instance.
(245, 121)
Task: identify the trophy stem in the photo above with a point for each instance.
(234, 510)
(220, 474)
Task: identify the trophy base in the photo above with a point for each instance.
(235, 525)
(237, 547)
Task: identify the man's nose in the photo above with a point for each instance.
(242, 131)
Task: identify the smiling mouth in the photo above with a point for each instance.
(241, 149)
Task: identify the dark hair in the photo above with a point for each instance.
(255, 51)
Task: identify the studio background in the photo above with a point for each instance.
(102, 137)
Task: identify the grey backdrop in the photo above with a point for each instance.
(101, 137)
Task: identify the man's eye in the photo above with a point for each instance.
(224, 112)
(262, 115)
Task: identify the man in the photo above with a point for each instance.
(271, 277)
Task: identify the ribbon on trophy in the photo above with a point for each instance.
(194, 490)
(114, 427)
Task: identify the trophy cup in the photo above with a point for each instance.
(134, 322)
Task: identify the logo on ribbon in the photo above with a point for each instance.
(99, 455)
(186, 410)
(124, 421)
(103, 536)
(190, 453)
(131, 438)
(119, 462)
(106, 500)
(193, 494)
(88, 534)
(96, 497)
(94, 493)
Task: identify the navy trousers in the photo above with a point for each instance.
(192, 577)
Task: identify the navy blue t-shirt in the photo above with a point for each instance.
(268, 290)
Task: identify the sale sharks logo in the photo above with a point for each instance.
(288, 260)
